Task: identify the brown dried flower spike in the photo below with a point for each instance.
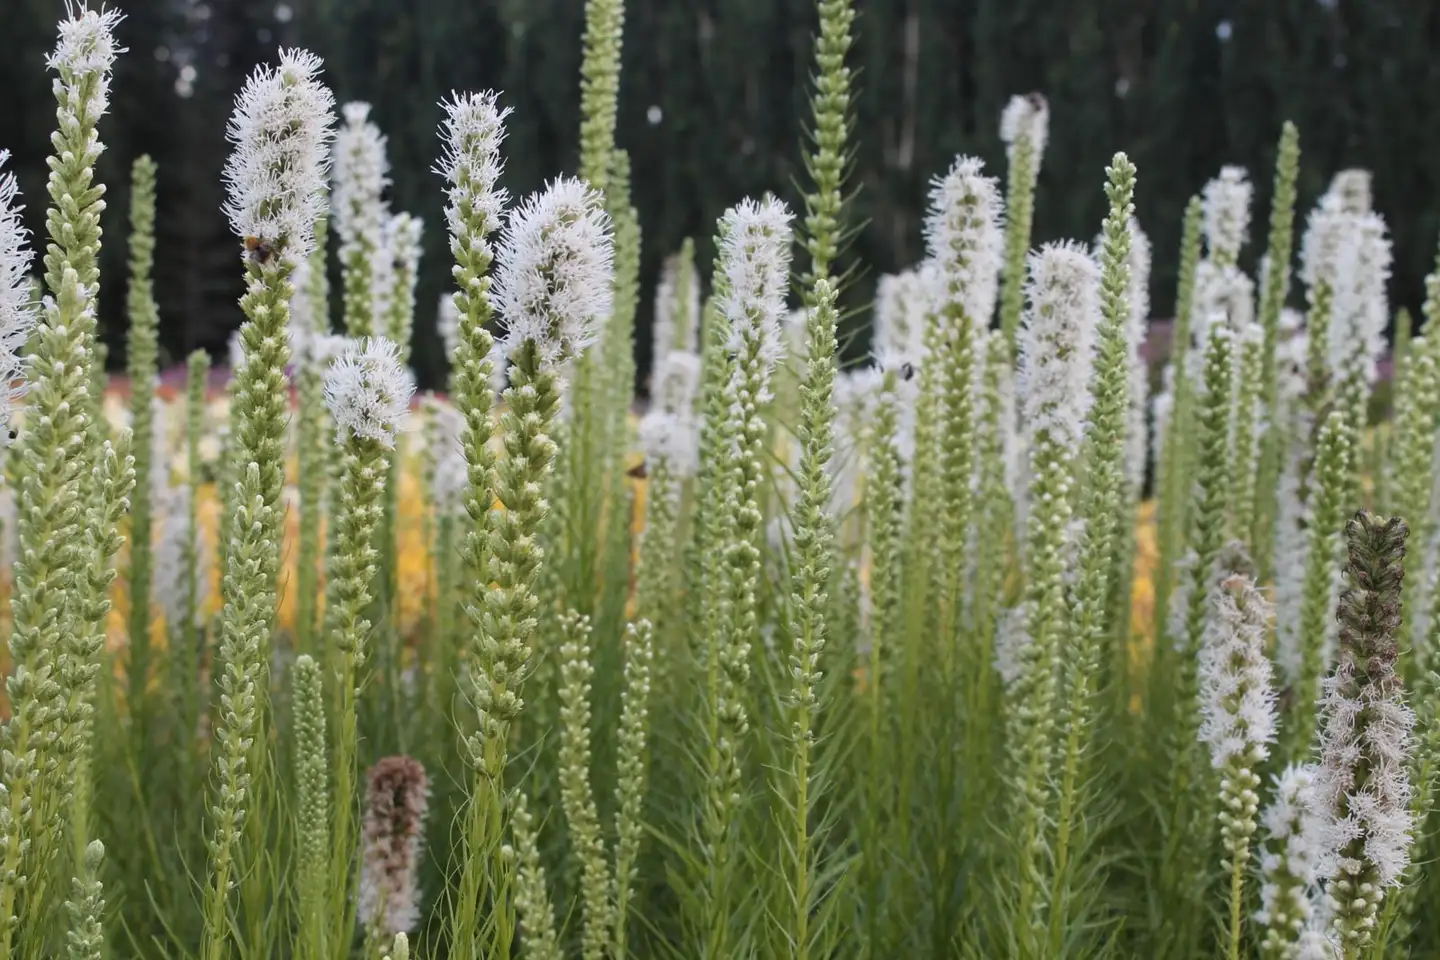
(395, 803)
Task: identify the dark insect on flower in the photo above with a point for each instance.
(907, 371)
(637, 472)
(258, 251)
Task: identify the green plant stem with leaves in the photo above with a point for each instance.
(141, 365)
(1101, 496)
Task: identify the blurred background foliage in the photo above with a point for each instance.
(712, 102)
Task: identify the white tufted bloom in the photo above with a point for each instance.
(17, 305)
(965, 239)
(1056, 341)
(1322, 242)
(275, 176)
(1226, 213)
(1025, 118)
(1361, 309)
(1237, 697)
(1290, 863)
(754, 258)
(1352, 188)
(359, 177)
(86, 48)
(473, 130)
(368, 391)
(554, 271)
(900, 305)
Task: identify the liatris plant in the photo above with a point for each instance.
(276, 178)
(359, 168)
(1362, 779)
(1025, 128)
(368, 395)
(1239, 723)
(55, 460)
(552, 287)
(1290, 864)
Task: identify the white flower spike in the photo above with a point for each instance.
(368, 392)
(275, 177)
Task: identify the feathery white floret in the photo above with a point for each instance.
(900, 304)
(676, 325)
(359, 177)
(86, 47)
(1025, 118)
(676, 382)
(173, 556)
(1056, 342)
(1376, 810)
(275, 176)
(368, 390)
(1290, 863)
(554, 271)
(965, 239)
(303, 319)
(473, 130)
(1361, 309)
(17, 306)
(1238, 698)
(755, 261)
(1226, 213)
(1321, 244)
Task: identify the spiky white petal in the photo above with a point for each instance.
(1361, 309)
(554, 271)
(368, 391)
(965, 239)
(1056, 342)
(755, 262)
(1320, 246)
(1226, 212)
(1025, 118)
(1292, 824)
(275, 176)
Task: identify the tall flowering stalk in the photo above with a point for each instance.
(1053, 386)
(1330, 485)
(1239, 723)
(1412, 451)
(141, 365)
(1025, 128)
(1274, 289)
(1248, 429)
(85, 939)
(472, 132)
(312, 808)
(358, 212)
(367, 392)
(828, 162)
(752, 271)
(532, 894)
(54, 459)
(1362, 780)
(811, 565)
(275, 179)
(553, 286)
(1184, 864)
(310, 320)
(1173, 467)
(1101, 499)
(668, 440)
